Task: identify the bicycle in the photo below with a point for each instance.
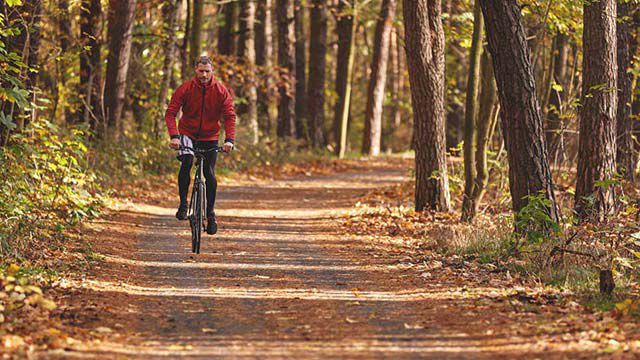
(198, 202)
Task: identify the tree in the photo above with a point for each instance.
(264, 53)
(625, 158)
(529, 173)
(344, 69)
(554, 132)
(287, 60)
(301, 71)
(184, 49)
(375, 95)
(597, 141)
(424, 39)
(195, 38)
(248, 57)
(121, 18)
(317, 64)
(170, 18)
(226, 34)
(471, 116)
(91, 64)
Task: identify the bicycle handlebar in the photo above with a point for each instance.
(218, 149)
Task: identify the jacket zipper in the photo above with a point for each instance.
(204, 89)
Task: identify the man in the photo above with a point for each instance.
(204, 101)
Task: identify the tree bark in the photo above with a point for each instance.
(624, 123)
(554, 132)
(317, 65)
(597, 141)
(170, 17)
(529, 173)
(344, 69)
(424, 39)
(287, 60)
(249, 59)
(195, 37)
(301, 75)
(121, 19)
(375, 96)
(91, 64)
(471, 116)
(264, 53)
(184, 50)
(226, 34)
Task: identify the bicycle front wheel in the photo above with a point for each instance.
(202, 201)
(196, 228)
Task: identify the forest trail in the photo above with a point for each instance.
(279, 281)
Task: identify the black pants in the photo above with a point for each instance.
(209, 169)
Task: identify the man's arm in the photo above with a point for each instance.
(172, 111)
(229, 116)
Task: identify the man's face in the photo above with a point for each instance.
(204, 72)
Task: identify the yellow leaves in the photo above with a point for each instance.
(13, 269)
(628, 306)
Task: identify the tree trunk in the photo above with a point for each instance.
(264, 53)
(249, 59)
(597, 141)
(554, 133)
(344, 68)
(424, 39)
(64, 37)
(195, 38)
(121, 18)
(624, 156)
(226, 34)
(301, 75)
(471, 115)
(90, 86)
(170, 17)
(187, 71)
(287, 60)
(529, 173)
(485, 125)
(375, 96)
(317, 65)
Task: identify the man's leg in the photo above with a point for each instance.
(212, 183)
(184, 179)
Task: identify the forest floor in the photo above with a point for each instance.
(282, 280)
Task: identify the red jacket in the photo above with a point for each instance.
(202, 109)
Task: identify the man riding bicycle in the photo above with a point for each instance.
(204, 101)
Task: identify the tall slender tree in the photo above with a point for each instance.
(347, 12)
(554, 131)
(170, 18)
(424, 39)
(264, 53)
(195, 39)
(227, 33)
(90, 63)
(121, 17)
(301, 70)
(471, 115)
(248, 57)
(375, 96)
(317, 64)
(529, 173)
(287, 60)
(597, 141)
(625, 158)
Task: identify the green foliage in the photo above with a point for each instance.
(47, 185)
(534, 219)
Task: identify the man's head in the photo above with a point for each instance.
(204, 69)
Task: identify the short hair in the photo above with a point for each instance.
(204, 59)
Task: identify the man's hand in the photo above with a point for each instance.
(227, 147)
(175, 144)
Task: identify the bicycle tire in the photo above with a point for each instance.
(202, 202)
(198, 218)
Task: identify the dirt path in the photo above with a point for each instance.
(278, 281)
